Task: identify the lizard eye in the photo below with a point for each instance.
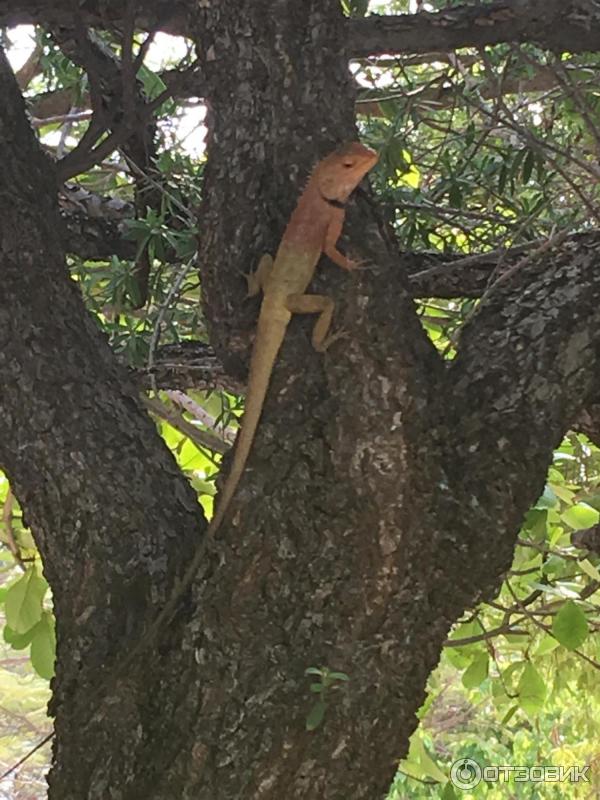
(348, 163)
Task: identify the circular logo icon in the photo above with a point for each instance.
(465, 773)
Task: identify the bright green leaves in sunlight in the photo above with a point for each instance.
(580, 516)
(28, 623)
(399, 165)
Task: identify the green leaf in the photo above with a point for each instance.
(536, 522)
(546, 644)
(448, 792)
(315, 716)
(339, 676)
(562, 492)
(516, 165)
(556, 534)
(532, 690)
(152, 83)
(18, 641)
(502, 178)
(477, 671)
(570, 626)
(508, 673)
(23, 602)
(561, 590)
(411, 768)
(554, 565)
(589, 569)
(464, 630)
(580, 516)
(43, 647)
(547, 500)
(455, 197)
(426, 763)
(528, 166)
(458, 657)
(431, 697)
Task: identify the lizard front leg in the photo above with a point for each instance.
(316, 304)
(332, 235)
(256, 280)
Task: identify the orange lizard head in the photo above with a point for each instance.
(339, 173)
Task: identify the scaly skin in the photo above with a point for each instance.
(313, 229)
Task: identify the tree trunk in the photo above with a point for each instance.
(382, 498)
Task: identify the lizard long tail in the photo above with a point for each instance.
(269, 338)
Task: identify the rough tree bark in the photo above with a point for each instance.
(383, 496)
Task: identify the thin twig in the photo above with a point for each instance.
(27, 756)
(173, 291)
(491, 634)
(201, 439)
(476, 259)
(186, 402)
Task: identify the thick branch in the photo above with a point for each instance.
(560, 25)
(102, 494)
(170, 16)
(521, 378)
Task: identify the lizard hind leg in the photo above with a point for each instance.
(256, 280)
(316, 304)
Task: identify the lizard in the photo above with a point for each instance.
(313, 229)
